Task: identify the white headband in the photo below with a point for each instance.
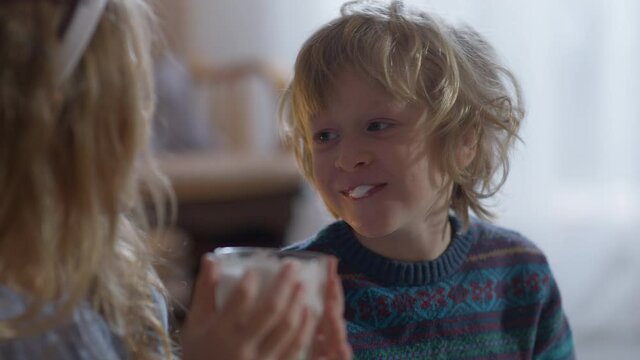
(83, 24)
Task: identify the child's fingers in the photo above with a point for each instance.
(330, 341)
(334, 329)
(203, 302)
(332, 265)
(334, 293)
(241, 300)
(286, 325)
(337, 338)
(271, 308)
(302, 337)
(319, 346)
(333, 289)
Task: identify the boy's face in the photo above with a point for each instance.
(371, 162)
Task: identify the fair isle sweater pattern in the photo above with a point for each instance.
(490, 295)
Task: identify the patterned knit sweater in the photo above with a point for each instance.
(490, 295)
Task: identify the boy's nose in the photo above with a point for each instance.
(351, 158)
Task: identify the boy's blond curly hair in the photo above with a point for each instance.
(418, 58)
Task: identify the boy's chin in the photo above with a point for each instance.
(369, 230)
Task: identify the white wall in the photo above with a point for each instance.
(575, 183)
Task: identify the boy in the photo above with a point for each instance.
(402, 123)
(76, 275)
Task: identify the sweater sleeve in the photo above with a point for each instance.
(553, 337)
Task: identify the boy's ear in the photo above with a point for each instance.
(467, 149)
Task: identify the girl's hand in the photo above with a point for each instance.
(275, 326)
(330, 340)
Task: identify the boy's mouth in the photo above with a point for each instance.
(362, 191)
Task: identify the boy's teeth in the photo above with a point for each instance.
(360, 191)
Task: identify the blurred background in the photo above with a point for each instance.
(574, 186)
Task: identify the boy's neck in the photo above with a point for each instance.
(425, 243)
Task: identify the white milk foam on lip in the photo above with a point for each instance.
(361, 191)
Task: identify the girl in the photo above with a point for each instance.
(76, 280)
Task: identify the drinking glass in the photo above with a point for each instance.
(311, 271)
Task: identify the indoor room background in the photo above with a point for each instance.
(574, 186)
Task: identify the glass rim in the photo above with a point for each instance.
(239, 250)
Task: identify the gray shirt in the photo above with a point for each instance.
(86, 336)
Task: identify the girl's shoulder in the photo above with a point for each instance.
(85, 335)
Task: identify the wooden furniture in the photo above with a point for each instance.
(240, 192)
(239, 98)
(234, 193)
(223, 199)
(234, 198)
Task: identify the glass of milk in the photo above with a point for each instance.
(234, 261)
(311, 271)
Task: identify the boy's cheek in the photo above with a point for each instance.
(321, 173)
(327, 196)
(324, 191)
(321, 182)
(331, 207)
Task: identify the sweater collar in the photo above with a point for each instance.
(358, 258)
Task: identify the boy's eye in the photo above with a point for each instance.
(324, 136)
(377, 126)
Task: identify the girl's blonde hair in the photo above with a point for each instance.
(72, 157)
(416, 57)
